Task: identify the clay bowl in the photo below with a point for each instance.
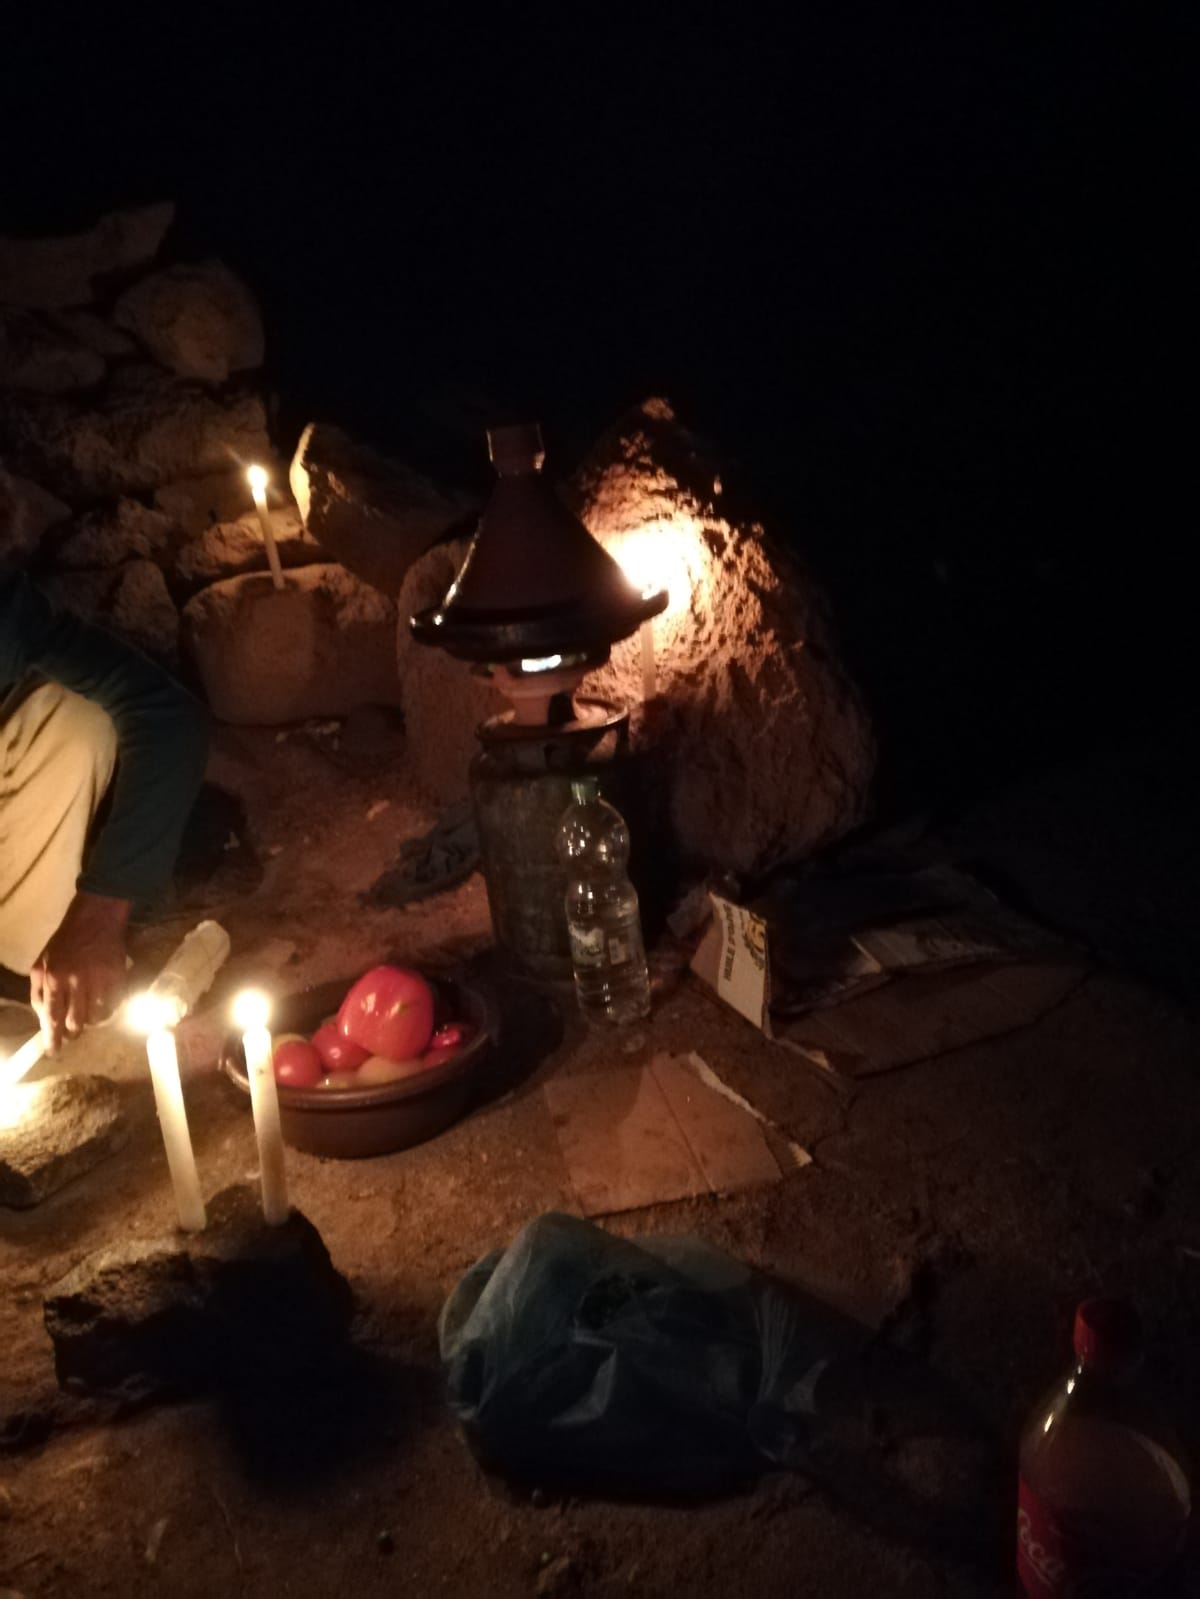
(350, 1123)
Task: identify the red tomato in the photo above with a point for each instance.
(337, 1054)
(388, 1012)
(438, 1057)
(297, 1064)
(453, 1036)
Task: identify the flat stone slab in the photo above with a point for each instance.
(54, 1131)
(165, 1317)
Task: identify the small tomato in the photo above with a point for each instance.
(338, 1053)
(296, 1063)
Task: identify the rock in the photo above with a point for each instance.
(200, 502)
(84, 594)
(94, 333)
(133, 601)
(44, 360)
(146, 430)
(27, 512)
(141, 610)
(443, 701)
(761, 735)
(373, 515)
(319, 647)
(40, 274)
(198, 321)
(231, 548)
(166, 1317)
(54, 1131)
(105, 538)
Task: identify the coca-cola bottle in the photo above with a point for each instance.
(1104, 1498)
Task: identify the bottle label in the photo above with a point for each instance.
(587, 946)
(1041, 1562)
(1056, 1560)
(619, 952)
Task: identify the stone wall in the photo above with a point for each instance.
(131, 404)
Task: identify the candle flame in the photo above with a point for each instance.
(148, 1013)
(662, 556)
(251, 1008)
(257, 478)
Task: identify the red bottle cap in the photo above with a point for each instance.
(1108, 1336)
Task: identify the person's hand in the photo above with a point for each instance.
(79, 978)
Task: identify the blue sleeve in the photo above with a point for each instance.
(162, 737)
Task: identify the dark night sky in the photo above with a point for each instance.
(924, 268)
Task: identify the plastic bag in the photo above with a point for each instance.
(578, 1357)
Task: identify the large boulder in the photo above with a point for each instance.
(131, 601)
(763, 741)
(198, 321)
(27, 512)
(373, 515)
(40, 274)
(94, 332)
(42, 359)
(321, 646)
(237, 1304)
(444, 701)
(227, 549)
(104, 538)
(143, 430)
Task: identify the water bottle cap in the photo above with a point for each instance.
(1108, 1336)
(584, 790)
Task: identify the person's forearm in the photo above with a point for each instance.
(79, 978)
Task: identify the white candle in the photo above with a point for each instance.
(258, 488)
(172, 1119)
(649, 677)
(148, 1014)
(22, 1061)
(251, 1013)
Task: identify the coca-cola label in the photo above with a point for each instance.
(1054, 1560)
(1041, 1558)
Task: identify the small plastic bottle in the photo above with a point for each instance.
(603, 921)
(1104, 1497)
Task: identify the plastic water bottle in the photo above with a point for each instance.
(1104, 1498)
(603, 921)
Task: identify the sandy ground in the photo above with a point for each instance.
(961, 1206)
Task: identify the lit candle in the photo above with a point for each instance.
(649, 677)
(250, 1013)
(155, 1018)
(257, 478)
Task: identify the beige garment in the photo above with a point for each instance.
(57, 754)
